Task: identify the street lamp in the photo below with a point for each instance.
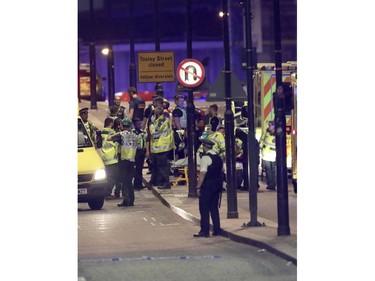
(108, 52)
(105, 51)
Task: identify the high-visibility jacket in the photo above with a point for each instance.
(161, 135)
(142, 137)
(109, 149)
(268, 145)
(91, 130)
(183, 118)
(219, 140)
(238, 147)
(129, 145)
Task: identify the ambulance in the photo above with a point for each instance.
(264, 87)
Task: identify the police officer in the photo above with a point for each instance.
(109, 154)
(121, 112)
(214, 134)
(268, 146)
(112, 111)
(126, 166)
(161, 143)
(140, 154)
(136, 105)
(210, 186)
(212, 111)
(179, 113)
(149, 116)
(241, 136)
(91, 129)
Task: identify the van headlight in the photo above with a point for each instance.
(100, 175)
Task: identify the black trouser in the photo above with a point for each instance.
(118, 187)
(139, 161)
(270, 168)
(127, 175)
(112, 177)
(245, 165)
(160, 171)
(209, 203)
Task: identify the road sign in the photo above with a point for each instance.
(190, 73)
(217, 91)
(156, 67)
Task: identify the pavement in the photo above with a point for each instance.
(264, 236)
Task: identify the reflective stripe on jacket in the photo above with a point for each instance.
(268, 146)
(109, 149)
(129, 145)
(161, 135)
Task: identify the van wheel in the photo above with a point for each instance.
(96, 204)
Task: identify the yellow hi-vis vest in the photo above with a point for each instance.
(183, 118)
(268, 145)
(109, 149)
(161, 135)
(219, 141)
(129, 145)
(238, 147)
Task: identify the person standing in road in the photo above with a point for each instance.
(268, 146)
(140, 154)
(91, 129)
(117, 126)
(216, 136)
(112, 111)
(149, 116)
(209, 186)
(179, 113)
(136, 105)
(121, 112)
(148, 119)
(109, 154)
(179, 123)
(161, 144)
(212, 111)
(126, 166)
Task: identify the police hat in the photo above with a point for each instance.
(84, 110)
(208, 143)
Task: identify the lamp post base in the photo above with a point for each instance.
(253, 223)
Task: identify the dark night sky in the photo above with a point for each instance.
(206, 23)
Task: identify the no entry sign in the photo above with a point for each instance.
(190, 73)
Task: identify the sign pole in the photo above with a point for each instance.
(191, 73)
(252, 146)
(191, 134)
(280, 128)
(229, 124)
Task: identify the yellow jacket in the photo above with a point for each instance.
(219, 140)
(129, 145)
(161, 135)
(109, 149)
(268, 146)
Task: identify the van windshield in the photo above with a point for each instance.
(83, 138)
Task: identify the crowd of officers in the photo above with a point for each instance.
(158, 135)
